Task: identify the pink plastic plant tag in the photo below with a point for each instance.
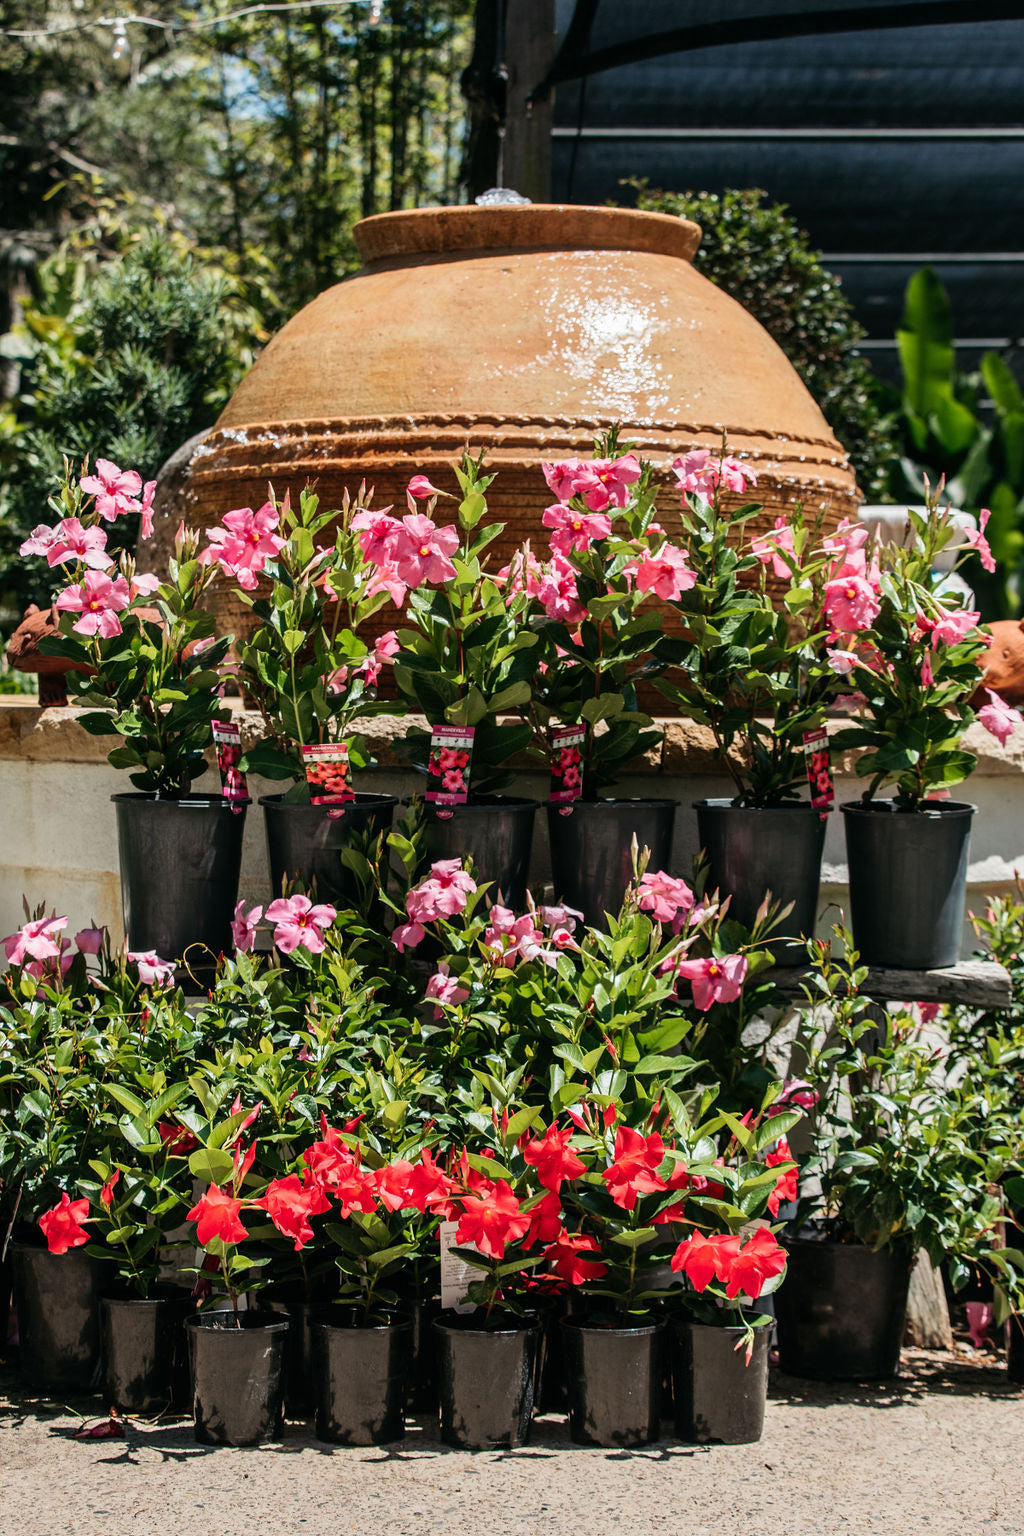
(451, 752)
(328, 774)
(819, 769)
(227, 739)
(566, 766)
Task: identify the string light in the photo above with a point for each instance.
(120, 24)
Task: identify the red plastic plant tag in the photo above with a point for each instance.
(328, 774)
(819, 769)
(228, 742)
(451, 752)
(566, 765)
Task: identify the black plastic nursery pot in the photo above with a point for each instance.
(362, 1382)
(237, 1376)
(57, 1301)
(908, 881)
(180, 861)
(305, 842)
(486, 1380)
(497, 832)
(1015, 1348)
(143, 1342)
(591, 850)
(614, 1383)
(840, 1310)
(718, 1397)
(753, 850)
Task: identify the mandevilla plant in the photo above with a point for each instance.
(750, 665)
(464, 655)
(593, 607)
(304, 664)
(914, 654)
(142, 652)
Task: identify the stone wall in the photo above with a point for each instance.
(58, 841)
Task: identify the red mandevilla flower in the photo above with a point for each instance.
(635, 1169)
(568, 1256)
(62, 1226)
(289, 1207)
(553, 1158)
(787, 1183)
(216, 1215)
(491, 1220)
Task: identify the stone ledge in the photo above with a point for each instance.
(32, 734)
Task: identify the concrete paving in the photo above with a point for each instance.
(939, 1452)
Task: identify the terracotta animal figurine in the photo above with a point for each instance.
(1004, 670)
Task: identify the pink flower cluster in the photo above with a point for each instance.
(369, 669)
(668, 900)
(701, 473)
(244, 543)
(407, 552)
(602, 483)
(717, 979)
(298, 924)
(40, 950)
(117, 492)
(443, 894)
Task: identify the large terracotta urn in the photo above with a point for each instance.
(525, 330)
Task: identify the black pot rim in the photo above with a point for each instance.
(261, 1322)
(189, 801)
(631, 802)
(640, 1330)
(278, 802)
(444, 1326)
(801, 807)
(486, 803)
(400, 1325)
(937, 810)
(146, 1301)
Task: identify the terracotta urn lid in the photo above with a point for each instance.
(534, 226)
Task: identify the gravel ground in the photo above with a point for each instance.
(939, 1451)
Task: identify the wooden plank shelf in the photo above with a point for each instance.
(982, 984)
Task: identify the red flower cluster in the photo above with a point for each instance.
(740, 1266)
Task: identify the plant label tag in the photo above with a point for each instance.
(328, 774)
(566, 765)
(228, 742)
(451, 751)
(456, 1274)
(819, 769)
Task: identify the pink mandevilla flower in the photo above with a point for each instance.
(954, 627)
(999, 718)
(74, 542)
(115, 489)
(99, 600)
(665, 572)
(300, 924)
(666, 898)
(575, 530)
(407, 936)
(146, 525)
(40, 541)
(153, 972)
(446, 989)
(851, 604)
(422, 552)
(976, 536)
(561, 478)
(557, 594)
(700, 473)
(244, 543)
(377, 533)
(420, 488)
(772, 549)
(714, 980)
(35, 940)
(244, 925)
(605, 482)
(89, 941)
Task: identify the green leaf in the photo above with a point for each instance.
(211, 1165)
